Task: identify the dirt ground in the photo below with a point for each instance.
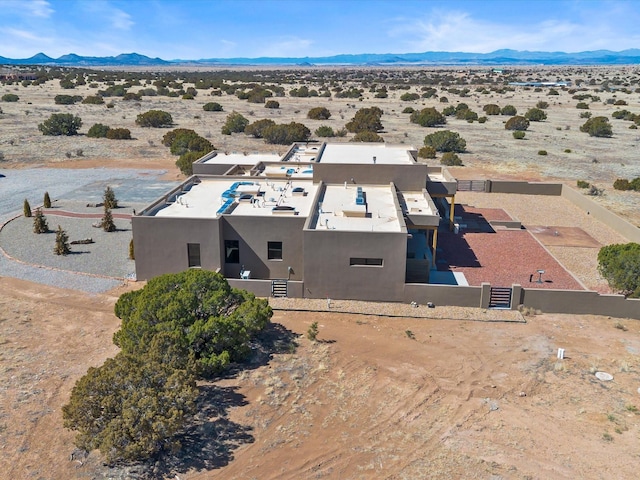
(375, 398)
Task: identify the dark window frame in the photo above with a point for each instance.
(366, 262)
(232, 256)
(194, 258)
(274, 250)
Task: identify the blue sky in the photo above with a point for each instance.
(195, 29)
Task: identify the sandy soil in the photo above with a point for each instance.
(492, 151)
(461, 399)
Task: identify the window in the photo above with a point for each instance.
(193, 252)
(365, 262)
(231, 251)
(274, 250)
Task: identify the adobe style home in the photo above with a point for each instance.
(325, 220)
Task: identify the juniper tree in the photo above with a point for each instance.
(26, 208)
(47, 200)
(62, 242)
(40, 222)
(107, 221)
(109, 198)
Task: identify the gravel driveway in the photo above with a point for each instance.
(104, 262)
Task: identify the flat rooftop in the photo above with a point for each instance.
(213, 197)
(237, 158)
(341, 209)
(365, 152)
(288, 171)
(417, 203)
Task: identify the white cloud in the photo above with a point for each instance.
(458, 31)
(121, 20)
(40, 8)
(285, 47)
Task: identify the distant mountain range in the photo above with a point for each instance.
(499, 57)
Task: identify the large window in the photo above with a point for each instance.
(274, 250)
(193, 252)
(365, 262)
(231, 251)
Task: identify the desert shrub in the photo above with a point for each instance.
(98, 130)
(585, 114)
(319, 113)
(272, 104)
(428, 117)
(567, 150)
(491, 109)
(10, 97)
(119, 134)
(619, 264)
(446, 141)
(408, 110)
(212, 107)
(583, 184)
(366, 119)
(183, 140)
(286, 133)
(535, 115)
(256, 128)
(622, 184)
(367, 136)
(61, 124)
(582, 106)
(449, 111)
(633, 126)
(542, 152)
(154, 119)
(131, 96)
(542, 105)
(508, 110)
(427, 152)
(482, 119)
(518, 134)
(188, 96)
(312, 332)
(620, 102)
(597, 127)
(93, 100)
(235, 123)
(66, 99)
(553, 91)
(444, 100)
(325, 131)
(450, 159)
(517, 123)
(409, 97)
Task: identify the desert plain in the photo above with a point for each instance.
(380, 396)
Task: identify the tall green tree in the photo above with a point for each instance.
(366, 119)
(205, 319)
(109, 198)
(47, 200)
(446, 141)
(107, 222)
(131, 407)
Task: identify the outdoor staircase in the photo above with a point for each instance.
(278, 288)
(500, 297)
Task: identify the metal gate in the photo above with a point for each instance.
(279, 288)
(471, 185)
(500, 297)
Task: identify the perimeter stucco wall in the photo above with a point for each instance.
(404, 176)
(523, 188)
(580, 303)
(620, 225)
(160, 244)
(443, 295)
(253, 233)
(327, 272)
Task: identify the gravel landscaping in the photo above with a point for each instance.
(103, 264)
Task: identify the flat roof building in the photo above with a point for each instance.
(322, 220)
